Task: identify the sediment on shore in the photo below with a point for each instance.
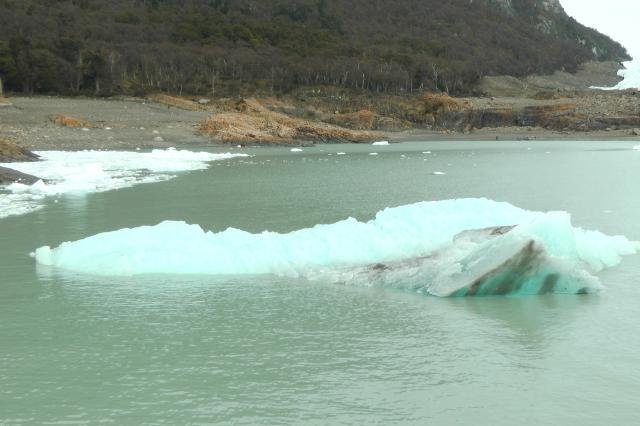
(251, 122)
(12, 153)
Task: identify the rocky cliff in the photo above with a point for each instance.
(550, 17)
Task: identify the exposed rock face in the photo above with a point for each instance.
(8, 176)
(550, 17)
(11, 153)
(587, 112)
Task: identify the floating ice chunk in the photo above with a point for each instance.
(380, 143)
(373, 153)
(107, 128)
(296, 150)
(84, 129)
(446, 248)
(438, 173)
(341, 153)
(158, 139)
(95, 171)
(426, 152)
(637, 147)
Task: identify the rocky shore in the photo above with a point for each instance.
(12, 153)
(327, 114)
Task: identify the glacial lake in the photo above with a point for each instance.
(195, 349)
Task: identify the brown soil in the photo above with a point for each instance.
(177, 102)
(71, 122)
(250, 122)
(10, 152)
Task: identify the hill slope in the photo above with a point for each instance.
(225, 47)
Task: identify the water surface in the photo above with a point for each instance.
(246, 350)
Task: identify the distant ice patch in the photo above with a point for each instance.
(296, 150)
(83, 172)
(447, 248)
(380, 143)
(631, 75)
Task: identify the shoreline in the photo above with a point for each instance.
(137, 124)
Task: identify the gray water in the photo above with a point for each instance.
(264, 350)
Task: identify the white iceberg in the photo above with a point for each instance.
(426, 247)
(85, 172)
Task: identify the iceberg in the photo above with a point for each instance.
(464, 247)
(83, 172)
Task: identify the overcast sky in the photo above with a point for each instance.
(619, 19)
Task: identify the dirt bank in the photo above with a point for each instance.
(315, 116)
(11, 152)
(249, 121)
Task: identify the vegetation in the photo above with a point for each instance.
(238, 47)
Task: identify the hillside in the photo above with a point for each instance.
(230, 48)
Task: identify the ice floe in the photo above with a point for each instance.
(83, 172)
(448, 248)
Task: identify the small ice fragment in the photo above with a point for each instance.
(296, 150)
(141, 128)
(155, 132)
(341, 153)
(373, 153)
(158, 139)
(439, 173)
(84, 129)
(381, 143)
(107, 128)
(239, 146)
(426, 152)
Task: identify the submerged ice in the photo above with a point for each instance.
(448, 248)
(83, 172)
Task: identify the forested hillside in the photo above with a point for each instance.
(231, 47)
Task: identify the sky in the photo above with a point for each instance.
(619, 19)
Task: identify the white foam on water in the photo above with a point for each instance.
(630, 74)
(427, 231)
(83, 172)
